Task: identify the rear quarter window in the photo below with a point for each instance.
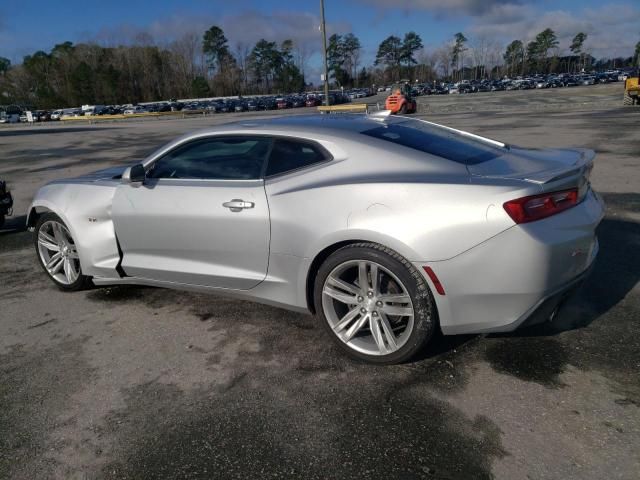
(290, 155)
(436, 141)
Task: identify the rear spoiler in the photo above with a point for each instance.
(582, 166)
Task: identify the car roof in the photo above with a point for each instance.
(338, 125)
(327, 127)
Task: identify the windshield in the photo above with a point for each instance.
(437, 141)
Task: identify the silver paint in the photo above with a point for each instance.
(179, 233)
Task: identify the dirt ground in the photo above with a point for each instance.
(146, 383)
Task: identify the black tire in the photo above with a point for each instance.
(425, 314)
(82, 282)
(403, 109)
(1, 220)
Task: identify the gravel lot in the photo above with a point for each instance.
(146, 383)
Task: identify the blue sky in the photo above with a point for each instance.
(29, 25)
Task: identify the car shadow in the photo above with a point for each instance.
(15, 224)
(441, 345)
(14, 234)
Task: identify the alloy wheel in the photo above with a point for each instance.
(58, 252)
(367, 307)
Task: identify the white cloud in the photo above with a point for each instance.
(607, 27)
(247, 27)
(611, 28)
(444, 7)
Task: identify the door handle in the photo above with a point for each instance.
(237, 205)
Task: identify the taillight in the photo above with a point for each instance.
(536, 207)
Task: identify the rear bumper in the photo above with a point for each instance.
(519, 276)
(546, 308)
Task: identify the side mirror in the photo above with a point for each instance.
(134, 174)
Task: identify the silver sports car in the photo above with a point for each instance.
(386, 228)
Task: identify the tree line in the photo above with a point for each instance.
(201, 66)
(189, 67)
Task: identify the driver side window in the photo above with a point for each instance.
(220, 158)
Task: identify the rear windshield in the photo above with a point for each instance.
(436, 141)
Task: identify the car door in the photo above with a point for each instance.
(200, 217)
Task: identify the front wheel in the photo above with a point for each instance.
(58, 254)
(374, 304)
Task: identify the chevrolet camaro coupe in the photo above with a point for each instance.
(386, 228)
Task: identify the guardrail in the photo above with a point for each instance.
(347, 107)
(120, 116)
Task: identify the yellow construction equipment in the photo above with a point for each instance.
(632, 91)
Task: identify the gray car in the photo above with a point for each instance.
(386, 228)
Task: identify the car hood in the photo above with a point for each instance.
(112, 174)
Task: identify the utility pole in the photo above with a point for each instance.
(324, 53)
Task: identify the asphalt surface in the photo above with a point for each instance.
(146, 383)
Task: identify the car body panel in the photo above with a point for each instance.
(178, 230)
(551, 252)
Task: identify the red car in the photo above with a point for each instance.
(313, 102)
(283, 103)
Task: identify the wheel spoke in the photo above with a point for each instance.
(69, 271)
(346, 320)
(73, 254)
(388, 332)
(53, 260)
(374, 278)
(376, 333)
(362, 276)
(394, 298)
(56, 265)
(396, 310)
(356, 327)
(57, 233)
(336, 282)
(48, 242)
(343, 297)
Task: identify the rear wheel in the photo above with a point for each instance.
(403, 109)
(58, 254)
(374, 304)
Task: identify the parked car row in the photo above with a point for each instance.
(517, 83)
(356, 93)
(315, 99)
(265, 103)
(240, 104)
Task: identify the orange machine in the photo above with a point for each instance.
(400, 100)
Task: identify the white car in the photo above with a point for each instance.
(71, 113)
(134, 110)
